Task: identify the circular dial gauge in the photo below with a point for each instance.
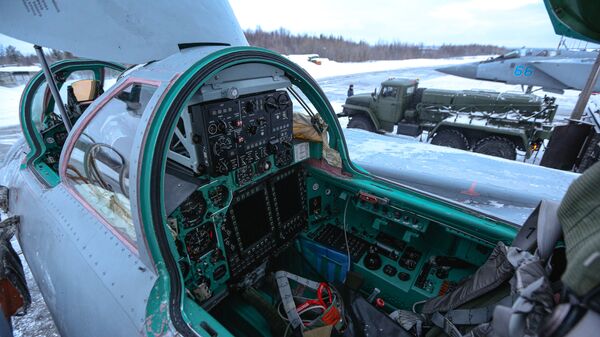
(222, 145)
(193, 209)
(283, 101)
(248, 107)
(219, 195)
(271, 104)
(200, 241)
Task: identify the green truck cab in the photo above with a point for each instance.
(486, 122)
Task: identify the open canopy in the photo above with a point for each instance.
(575, 18)
(125, 31)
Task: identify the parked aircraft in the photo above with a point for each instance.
(209, 192)
(553, 70)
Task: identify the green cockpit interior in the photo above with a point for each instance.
(246, 159)
(253, 185)
(79, 82)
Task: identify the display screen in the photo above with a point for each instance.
(288, 197)
(252, 218)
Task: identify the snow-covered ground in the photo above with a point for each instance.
(37, 322)
(27, 69)
(334, 78)
(9, 117)
(367, 75)
(329, 68)
(9, 105)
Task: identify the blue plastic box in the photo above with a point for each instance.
(330, 263)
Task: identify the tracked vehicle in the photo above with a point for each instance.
(486, 122)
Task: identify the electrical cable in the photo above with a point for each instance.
(315, 121)
(346, 233)
(93, 173)
(312, 307)
(414, 307)
(335, 290)
(316, 308)
(301, 101)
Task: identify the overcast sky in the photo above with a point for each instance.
(510, 23)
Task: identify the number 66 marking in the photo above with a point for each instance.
(523, 71)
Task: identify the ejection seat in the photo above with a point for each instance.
(81, 94)
(536, 271)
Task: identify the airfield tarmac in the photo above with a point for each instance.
(38, 321)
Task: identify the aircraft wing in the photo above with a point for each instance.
(571, 72)
(127, 31)
(506, 189)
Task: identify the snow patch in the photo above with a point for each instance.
(17, 69)
(329, 68)
(9, 105)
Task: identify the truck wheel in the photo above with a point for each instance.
(497, 147)
(361, 122)
(450, 138)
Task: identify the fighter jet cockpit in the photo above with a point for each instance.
(209, 191)
(270, 234)
(236, 180)
(78, 85)
(525, 52)
(220, 180)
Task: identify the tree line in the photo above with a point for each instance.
(10, 55)
(339, 49)
(332, 47)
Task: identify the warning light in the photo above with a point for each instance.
(535, 146)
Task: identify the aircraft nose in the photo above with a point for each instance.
(468, 70)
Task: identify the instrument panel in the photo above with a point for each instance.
(201, 240)
(242, 133)
(263, 219)
(254, 204)
(260, 221)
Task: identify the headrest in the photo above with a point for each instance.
(85, 90)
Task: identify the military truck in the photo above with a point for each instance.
(487, 122)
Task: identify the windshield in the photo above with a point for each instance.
(389, 92)
(512, 54)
